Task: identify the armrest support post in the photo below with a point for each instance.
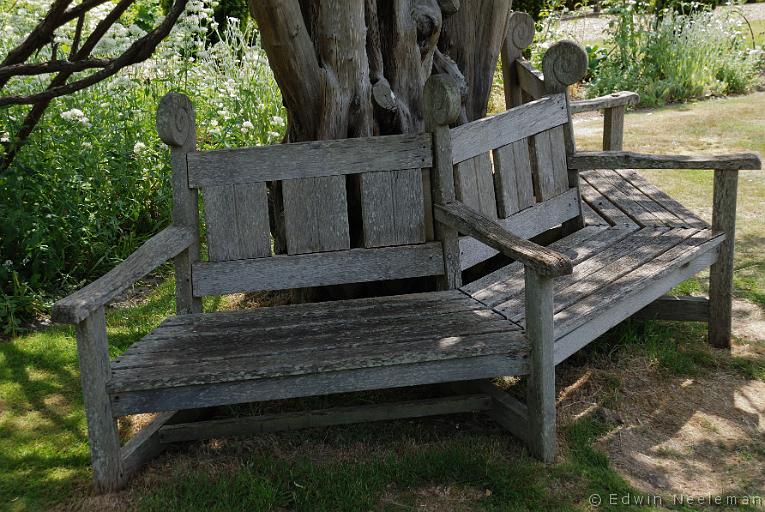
(613, 128)
(721, 273)
(103, 436)
(541, 386)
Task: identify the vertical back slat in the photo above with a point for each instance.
(512, 177)
(392, 208)
(316, 214)
(474, 185)
(236, 217)
(549, 163)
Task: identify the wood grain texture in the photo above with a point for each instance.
(530, 80)
(316, 215)
(282, 272)
(613, 129)
(542, 260)
(157, 250)
(474, 185)
(721, 273)
(598, 321)
(676, 308)
(309, 160)
(392, 208)
(629, 160)
(442, 107)
(236, 222)
(520, 34)
(484, 135)
(686, 216)
(248, 426)
(549, 163)
(527, 223)
(617, 99)
(513, 178)
(604, 207)
(540, 392)
(103, 436)
(176, 126)
(636, 205)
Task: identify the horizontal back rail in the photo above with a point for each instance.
(283, 272)
(309, 160)
(489, 133)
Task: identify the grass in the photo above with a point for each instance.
(459, 463)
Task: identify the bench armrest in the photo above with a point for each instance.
(617, 99)
(585, 160)
(154, 252)
(542, 260)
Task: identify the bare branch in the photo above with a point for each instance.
(52, 67)
(139, 51)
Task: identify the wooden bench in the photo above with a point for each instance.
(417, 219)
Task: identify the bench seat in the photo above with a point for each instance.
(309, 349)
(471, 333)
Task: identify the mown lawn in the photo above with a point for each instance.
(458, 463)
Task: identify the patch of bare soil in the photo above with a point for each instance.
(680, 436)
(455, 498)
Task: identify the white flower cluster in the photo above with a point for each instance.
(76, 115)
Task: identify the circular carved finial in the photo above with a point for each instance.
(521, 30)
(442, 100)
(176, 120)
(565, 63)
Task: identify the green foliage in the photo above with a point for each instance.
(93, 182)
(675, 57)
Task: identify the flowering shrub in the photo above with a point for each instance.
(93, 183)
(676, 56)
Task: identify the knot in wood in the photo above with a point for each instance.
(442, 100)
(521, 30)
(565, 63)
(175, 119)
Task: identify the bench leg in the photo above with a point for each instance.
(103, 436)
(721, 273)
(541, 385)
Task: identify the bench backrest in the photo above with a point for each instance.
(511, 167)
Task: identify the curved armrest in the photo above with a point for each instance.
(617, 99)
(628, 160)
(542, 260)
(154, 252)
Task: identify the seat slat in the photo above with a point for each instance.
(606, 267)
(508, 282)
(579, 313)
(635, 204)
(290, 341)
(436, 348)
(604, 207)
(166, 338)
(687, 217)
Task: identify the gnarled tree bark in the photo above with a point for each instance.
(352, 68)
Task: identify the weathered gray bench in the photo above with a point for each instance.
(418, 218)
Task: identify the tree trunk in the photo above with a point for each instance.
(353, 68)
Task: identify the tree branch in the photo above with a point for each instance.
(293, 60)
(52, 67)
